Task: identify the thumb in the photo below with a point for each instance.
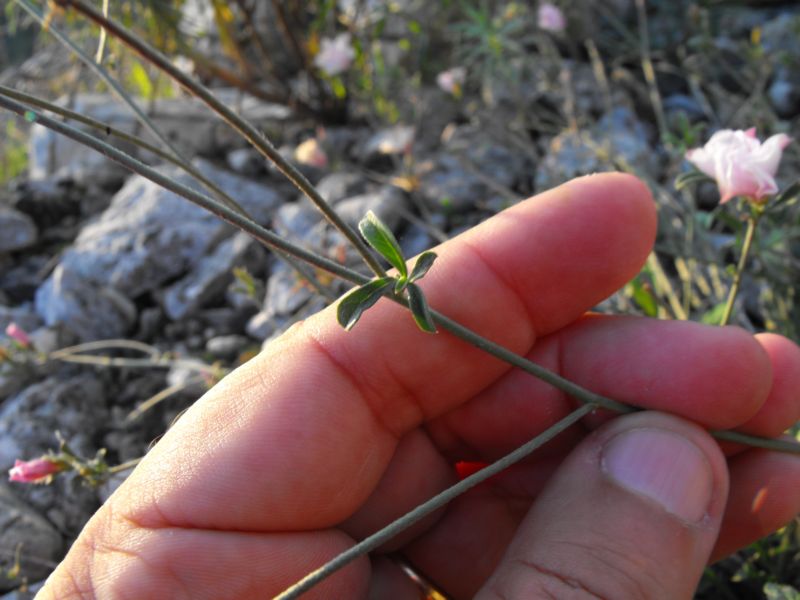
(633, 512)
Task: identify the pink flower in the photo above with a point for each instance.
(37, 470)
(740, 163)
(450, 81)
(336, 55)
(550, 17)
(311, 153)
(18, 334)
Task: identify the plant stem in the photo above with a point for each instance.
(128, 464)
(274, 241)
(250, 133)
(435, 503)
(752, 221)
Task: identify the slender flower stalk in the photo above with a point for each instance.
(752, 222)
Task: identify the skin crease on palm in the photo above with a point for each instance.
(328, 435)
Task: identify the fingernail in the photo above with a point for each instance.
(665, 467)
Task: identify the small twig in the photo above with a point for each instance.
(435, 503)
(128, 464)
(115, 344)
(160, 397)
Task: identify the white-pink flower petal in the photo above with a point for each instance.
(740, 163)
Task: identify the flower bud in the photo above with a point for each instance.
(38, 470)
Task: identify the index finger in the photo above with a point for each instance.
(298, 437)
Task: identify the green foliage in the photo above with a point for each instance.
(381, 239)
(353, 305)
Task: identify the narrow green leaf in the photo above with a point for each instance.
(684, 179)
(400, 284)
(421, 267)
(382, 239)
(353, 305)
(419, 309)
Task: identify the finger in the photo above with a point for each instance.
(782, 406)
(416, 473)
(764, 496)
(118, 559)
(299, 437)
(633, 512)
(719, 377)
(468, 541)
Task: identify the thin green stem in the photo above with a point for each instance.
(250, 133)
(752, 221)
(435, 503)
(128, 464)
(273, 241)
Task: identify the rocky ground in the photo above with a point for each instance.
(89, 252)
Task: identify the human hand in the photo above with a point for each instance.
(327, 436)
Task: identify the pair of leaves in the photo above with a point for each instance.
(380, 237)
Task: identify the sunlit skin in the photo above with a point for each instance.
(327, 435)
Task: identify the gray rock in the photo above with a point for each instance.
(211, 276)
(227, 346)
(89, 310)
(785, 98)
(386, 142)
(146, 237)
(387, 203)
(23, 316)
(338, 186)
(496, 162)
(46, 339)
(246, 161)
(260, 326)
(681, 103)
(225, 320)
(780, 35)
(415, 239)
(17, 230)
(41, 546)
(447, 187)
(286, 291)
(184, 121)
(77, 408)
(296, 220)
(618, 137)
